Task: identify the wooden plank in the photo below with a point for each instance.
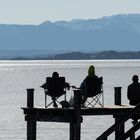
(105, 111)
(49, 118)
(108, 110)
(48, 111)
(49, 115)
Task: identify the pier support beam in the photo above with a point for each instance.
(121, 129)
(117, 101)
(75, 125)
(31, 125)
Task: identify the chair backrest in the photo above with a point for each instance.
(93, 86)
(55, 86)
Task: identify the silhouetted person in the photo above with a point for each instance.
(83, 86)
(133, 91)
(55, 75)
(133, 94)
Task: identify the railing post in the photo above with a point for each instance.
(30, 98)
(75, 126)
(31, 124)
(121, 129)
(132, 136)
(117, 95)
(117, 101)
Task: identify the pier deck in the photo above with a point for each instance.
(74, 116)
(66, 114)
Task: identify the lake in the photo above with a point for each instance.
(17, 76)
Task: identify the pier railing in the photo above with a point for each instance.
(119, 125)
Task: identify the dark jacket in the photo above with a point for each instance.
(84, 85)
(133, 93)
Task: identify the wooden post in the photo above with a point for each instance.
(30, 98)
(117, 95)
(132, 137)
(75, 126)
(121, 129)
(31, 125)
(117, 101)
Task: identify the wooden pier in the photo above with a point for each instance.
(73, 116)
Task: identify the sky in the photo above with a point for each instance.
(38, 11)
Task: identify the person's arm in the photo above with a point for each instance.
(128, 93)
(44, 86)
(131, 93)
(67, 85)
(83, 84)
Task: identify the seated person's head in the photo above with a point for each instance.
(55, 74)
(135, 78)
(91, 71)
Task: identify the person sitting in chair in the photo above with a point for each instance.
(55, 75)
(83, 86)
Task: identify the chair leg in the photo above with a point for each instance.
(96, 100)
(90, 102)
(45, 100)
(54, 100)
(46, 105)
(103, 100)
(49, 104)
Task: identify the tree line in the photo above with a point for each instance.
(84, 55)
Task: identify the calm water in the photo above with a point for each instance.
(17, 76)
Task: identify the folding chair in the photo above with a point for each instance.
(94, 92)
(55, 89)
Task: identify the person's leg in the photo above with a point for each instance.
(84, 98)
(54, 102)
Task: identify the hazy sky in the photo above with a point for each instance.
(38, 11)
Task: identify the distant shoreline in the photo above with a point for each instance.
(106, 55)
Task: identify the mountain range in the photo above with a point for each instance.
(117, 32)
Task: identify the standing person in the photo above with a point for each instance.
(83, 86)
(133, 95)
(133, 91)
